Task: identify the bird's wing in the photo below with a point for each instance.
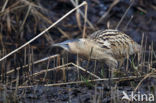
(103, 33)
(119, 43)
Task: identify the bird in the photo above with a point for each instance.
(110, 46)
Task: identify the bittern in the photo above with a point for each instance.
(110, 46)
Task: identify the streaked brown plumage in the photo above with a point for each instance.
(110, 46)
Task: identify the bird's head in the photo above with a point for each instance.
(73, 46)
(80, 46)
(64, 45)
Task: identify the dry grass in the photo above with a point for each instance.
(27, 74)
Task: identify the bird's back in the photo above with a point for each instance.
(115, 41)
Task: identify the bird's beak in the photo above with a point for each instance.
(63, 45)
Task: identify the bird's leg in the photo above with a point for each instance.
(112, 64)
(78, 63)
(121, 61)
(127, 64)
(139, 56)
(77, 60)
(89, 58)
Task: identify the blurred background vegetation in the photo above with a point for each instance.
(21, 20)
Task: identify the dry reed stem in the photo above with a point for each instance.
(125, 14)
(78, 16)
(8, 20)
(86, 71)
(26, 2)
(153, 6)
(83, 15)
(110, 8)
(1, 41)
(45, 75)
(79, 82)
(47, 70)
(64, 33)
(36, 62)
(142, 10)
(50, 22)
(52, 69)
(145, 77)
(25, 18)
(63, 68)
(128, 23)
(12, 8)
(40, 34)
(64, 72)
(85, 19)
(4, 6)
(16, 88)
